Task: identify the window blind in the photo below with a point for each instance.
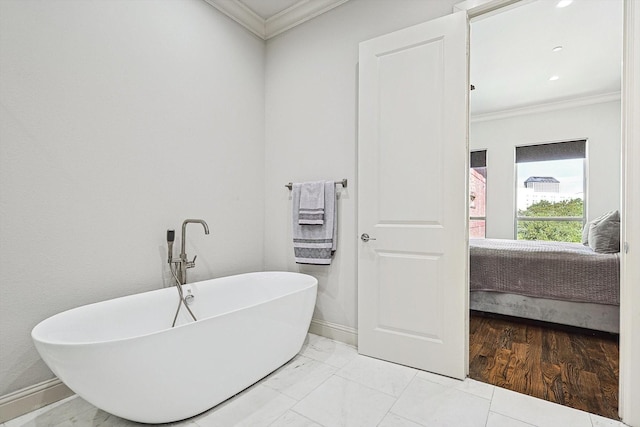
(478, 159)
(554, 151)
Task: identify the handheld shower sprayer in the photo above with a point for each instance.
(171, 236)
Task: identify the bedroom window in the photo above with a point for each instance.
(478, 194)
(551, 182)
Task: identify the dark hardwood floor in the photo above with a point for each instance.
(569, 366)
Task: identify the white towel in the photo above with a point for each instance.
(311, 203)
(315, 244)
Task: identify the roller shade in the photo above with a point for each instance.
(554, 151)
(478, 159)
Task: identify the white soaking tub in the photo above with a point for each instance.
(123, 356)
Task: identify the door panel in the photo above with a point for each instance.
(394, 293)
(412, 160)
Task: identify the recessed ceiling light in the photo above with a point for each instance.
(554, 78)
(564, 3)
(557, 49)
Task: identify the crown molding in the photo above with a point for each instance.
(300, 12)
(241, 14)
(544, 108)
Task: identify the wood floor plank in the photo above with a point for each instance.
(568, 366)
(591, 390)
(518, 372)
(497, 371)
(552, 378)
(534, 341)
(550, 349)
(572, 388)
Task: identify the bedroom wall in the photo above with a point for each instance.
(599, 123)
(119, 119)
(311, 140)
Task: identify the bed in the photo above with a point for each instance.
(557, 282)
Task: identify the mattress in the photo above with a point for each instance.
(553, 270)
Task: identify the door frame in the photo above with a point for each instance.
(629, 383)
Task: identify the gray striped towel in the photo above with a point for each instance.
(315, 244)
(311, 203)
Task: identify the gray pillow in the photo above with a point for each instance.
(585, 229)
(604, 235)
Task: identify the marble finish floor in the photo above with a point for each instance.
(328, 384)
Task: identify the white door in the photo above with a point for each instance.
(412, 198)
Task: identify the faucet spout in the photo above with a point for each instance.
(183, 254)
(184, 262)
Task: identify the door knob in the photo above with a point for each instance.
(365, 237)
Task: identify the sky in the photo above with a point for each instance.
(568, 172)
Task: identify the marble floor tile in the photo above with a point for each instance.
(292, 419)
(474, 387)
(327, 351)
(75, 411)
(538, 412)
(438, 379)
(393, 420)
(379, 375)
(53, 414)
(299, 377)
(599, 421)
(98, 418)
(432, 404)
(477, 388)
(499, 420)
(339, 402)
(258, 406)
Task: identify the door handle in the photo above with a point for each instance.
(365, 237)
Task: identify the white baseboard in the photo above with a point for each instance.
(31, 398)
(334, 331)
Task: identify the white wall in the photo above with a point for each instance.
(311, 124)
(599, 123)
(119, 120)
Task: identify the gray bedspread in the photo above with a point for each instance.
(555, 270)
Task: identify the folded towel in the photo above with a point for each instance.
(311, 203)
(314, 244)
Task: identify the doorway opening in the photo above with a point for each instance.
(545, 75)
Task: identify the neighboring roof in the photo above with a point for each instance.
(542, 179)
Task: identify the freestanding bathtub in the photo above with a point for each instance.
(123, 356)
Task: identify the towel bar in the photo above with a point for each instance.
(342, 182)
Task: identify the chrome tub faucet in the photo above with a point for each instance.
(182, 263)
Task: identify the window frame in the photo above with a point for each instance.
(585, 174)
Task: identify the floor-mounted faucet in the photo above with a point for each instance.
(179, 267)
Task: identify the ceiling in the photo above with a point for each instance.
(512, 57)
(268, 8)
